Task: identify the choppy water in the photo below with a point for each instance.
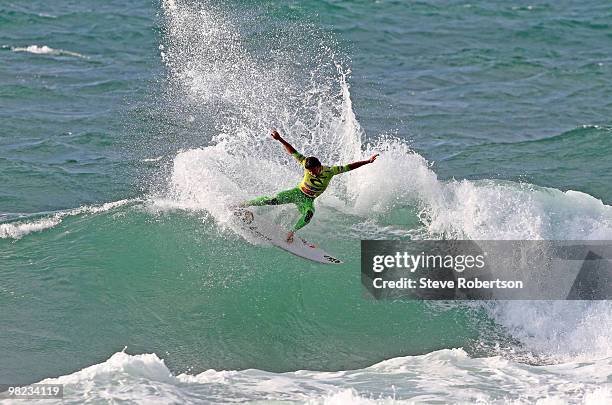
(126, 128)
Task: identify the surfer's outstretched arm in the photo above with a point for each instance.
(355, 165)
(290, 149)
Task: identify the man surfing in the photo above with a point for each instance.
(315, 181)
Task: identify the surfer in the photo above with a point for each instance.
(315, 181)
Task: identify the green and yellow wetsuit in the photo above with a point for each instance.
(305, 193)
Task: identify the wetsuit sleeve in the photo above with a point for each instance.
(299, 157)
(340, 169)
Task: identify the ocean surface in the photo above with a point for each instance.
(126, 128)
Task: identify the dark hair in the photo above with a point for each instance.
(312, 162)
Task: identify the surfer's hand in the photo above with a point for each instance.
(373, 158)
(290, 236)
(275, 134)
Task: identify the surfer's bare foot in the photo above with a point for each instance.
(290, 236)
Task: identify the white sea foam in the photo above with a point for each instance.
(46, 50)
(20, 228)
(447, 376)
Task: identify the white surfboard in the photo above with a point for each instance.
(262, 229)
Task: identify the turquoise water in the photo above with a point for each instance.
(126, 129)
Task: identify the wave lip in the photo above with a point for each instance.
(46, 50)
(18, 229)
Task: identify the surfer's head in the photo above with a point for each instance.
(313, 165)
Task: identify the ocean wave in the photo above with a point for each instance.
(20, 228)
(318, 118)
(449, 375)
(583, 134)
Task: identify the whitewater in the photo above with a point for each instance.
(445, 376)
